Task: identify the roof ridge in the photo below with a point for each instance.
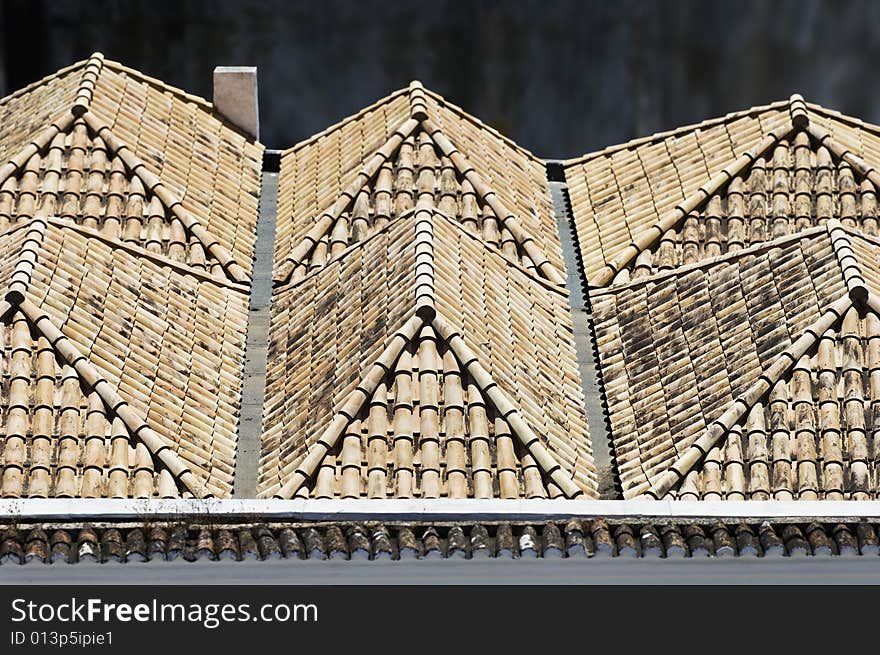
(506, 408)
(156, 82)
(849, 263)
(348, 119)
(835, 115)
(86, 89)
(92, 378)
(36, 224)
(172, 203)
(330, 215)
(350, 407)
(43, 80)
(866, 170)
(660, 136)
(499, 208)
(143, 253)
(692, 202)
(482, 125)
(662, 483)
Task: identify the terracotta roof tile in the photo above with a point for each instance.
(414, 379)
(121, 311)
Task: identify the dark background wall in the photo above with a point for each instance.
(561, 77)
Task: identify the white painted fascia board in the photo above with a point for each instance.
(61, 510)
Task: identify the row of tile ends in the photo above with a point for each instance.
(553, 540)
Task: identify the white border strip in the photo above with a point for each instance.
(41, 510)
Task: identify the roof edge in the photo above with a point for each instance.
(660, 136)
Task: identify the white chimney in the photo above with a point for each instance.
(235, 96)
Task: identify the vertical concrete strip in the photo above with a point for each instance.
(247, 460)
(584, 337)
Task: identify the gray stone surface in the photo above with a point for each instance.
(247, 459)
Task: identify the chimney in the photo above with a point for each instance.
(235, 96)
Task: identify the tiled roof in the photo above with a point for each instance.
(418, 355)
(720, 186)
(127, 219)
(749, 375)
(344, 184)
(574, 539)
(394, 371)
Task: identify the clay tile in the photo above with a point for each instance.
(314, 544)
(528, 543)
(794, 541)
(407, 544)
(290, 544)
(225, 545)
(575, 541)
(868, 542)
(723, 543)
(698, 545)
(626, 543)
(158, 539)
(358, 542)
(505, 544)
(602, 538)
(481, 546)
(673, 542)
(335, 540)
(10, 548)
(247, 545)
(431, 544)
(37, 546)
(382, 548)
(205, 545)
(456, 543)
(847, 545)
(61, 542)
(135, 546)
(552, 544)
(176, 543)
(87, 547)
(112, 546)
(770, 541)
(746, 542)
(267, 544)
(651, 544)
(819, 540)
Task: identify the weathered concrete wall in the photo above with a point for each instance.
(561, 77)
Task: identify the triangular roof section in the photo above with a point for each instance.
(742, 376)
(135, 159)
(370, 357)
(160, 345)
(109, 257)
(342, 185)
(718, 187)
